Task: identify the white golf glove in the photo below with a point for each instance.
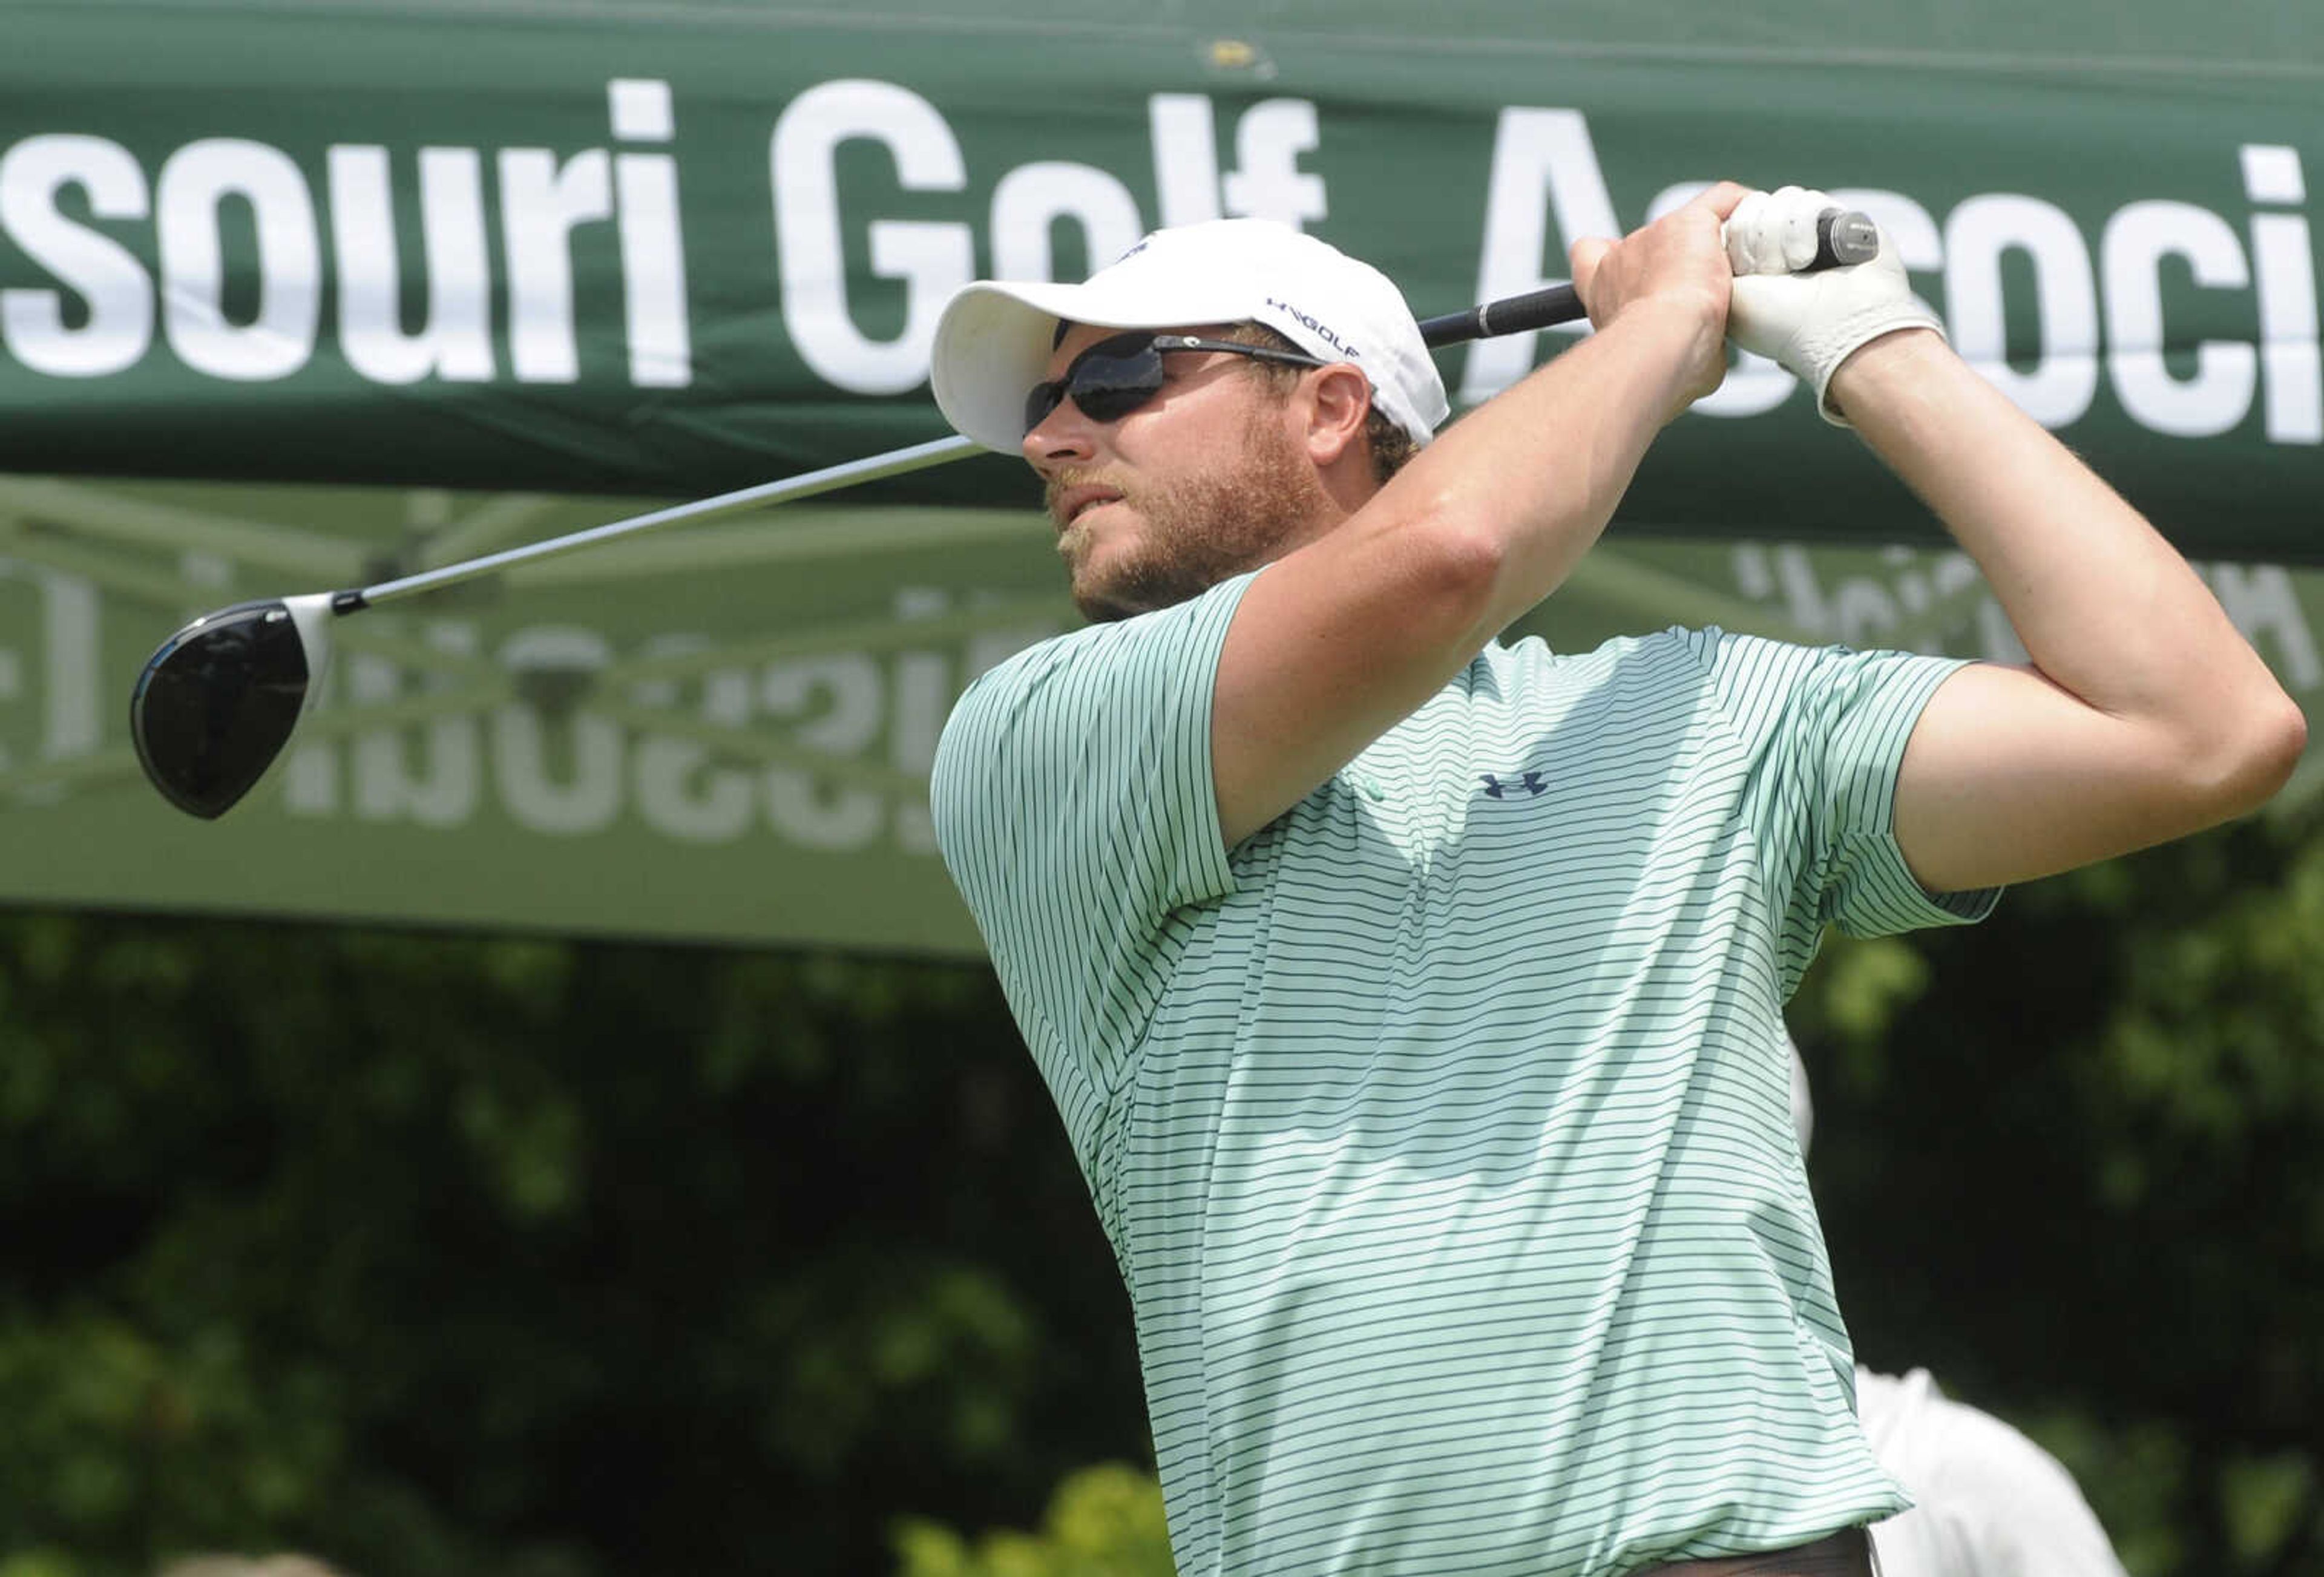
(1809, 322)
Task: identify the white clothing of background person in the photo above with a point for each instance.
(1987, 1501)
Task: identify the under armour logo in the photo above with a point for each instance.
(1530, 782)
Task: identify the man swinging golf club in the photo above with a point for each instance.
(1413, 1000)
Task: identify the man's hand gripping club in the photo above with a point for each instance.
(1673, 272)
(1740, 258)
(1809, 323)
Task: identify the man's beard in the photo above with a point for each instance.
(1195, 531)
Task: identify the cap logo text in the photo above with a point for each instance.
(1320, 330)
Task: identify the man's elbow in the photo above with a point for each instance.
(1462, 564)
(2282, 742)
(2246, 762)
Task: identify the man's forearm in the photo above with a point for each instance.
(1342, 637)
(1538, 470)
(2105, 607)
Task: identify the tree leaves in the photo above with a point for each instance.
(454, 1255)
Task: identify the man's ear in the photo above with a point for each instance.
(1339, 399)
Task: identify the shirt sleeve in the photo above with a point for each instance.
(1827, 728)
(1076, 810)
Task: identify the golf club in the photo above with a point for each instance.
(217, 701)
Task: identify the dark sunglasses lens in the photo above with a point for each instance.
(1107, 381)
(1111, 398)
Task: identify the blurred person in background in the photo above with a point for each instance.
(1987, 1501)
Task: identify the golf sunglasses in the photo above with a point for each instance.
(1115, 376)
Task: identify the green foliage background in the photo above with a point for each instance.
(454, 1255)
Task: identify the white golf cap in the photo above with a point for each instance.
(995, 337)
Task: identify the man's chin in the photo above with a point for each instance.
(1101, 584)
(1130, 590)
(1101, 602)
(1101, 589)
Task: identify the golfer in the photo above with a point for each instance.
(1413, 1000)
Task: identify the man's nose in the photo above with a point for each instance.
(1065, 435)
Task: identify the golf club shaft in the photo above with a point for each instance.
(1557, 304)
(830, 479)
(1836, 237)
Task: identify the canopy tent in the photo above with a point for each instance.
(296, 293)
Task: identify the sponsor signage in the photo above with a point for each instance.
(463, 248)
(312, 293)
(717, 735)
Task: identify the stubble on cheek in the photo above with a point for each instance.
(1186, 535)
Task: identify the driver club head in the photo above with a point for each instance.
(217, 700)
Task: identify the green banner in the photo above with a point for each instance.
(675, 248)
(719, 733)
(367, 287)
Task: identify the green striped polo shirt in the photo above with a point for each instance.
(1442, 1128)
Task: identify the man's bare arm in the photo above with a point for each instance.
(1337, 642)
(2143, 716)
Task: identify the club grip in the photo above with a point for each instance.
(1510, 314)
(1843, 237)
